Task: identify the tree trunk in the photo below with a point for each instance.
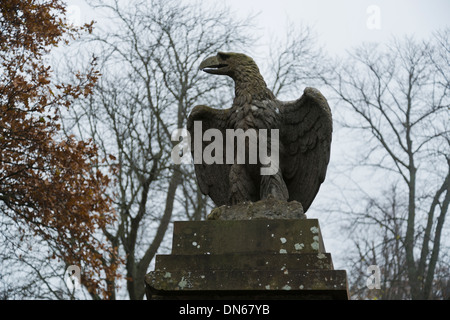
(142, 266)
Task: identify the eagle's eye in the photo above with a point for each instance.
(223, 56)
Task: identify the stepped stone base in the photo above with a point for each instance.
(247, 259)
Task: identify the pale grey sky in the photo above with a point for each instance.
(341, 24)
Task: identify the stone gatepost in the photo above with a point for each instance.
(247, 259)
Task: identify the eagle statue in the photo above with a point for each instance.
(304, 131)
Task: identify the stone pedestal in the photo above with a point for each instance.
(247, 259)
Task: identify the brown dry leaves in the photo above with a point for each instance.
(49, 183)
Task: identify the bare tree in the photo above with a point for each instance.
(149, 60)
(397, 99)
(294, 61)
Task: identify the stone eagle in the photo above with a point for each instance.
(305, 129)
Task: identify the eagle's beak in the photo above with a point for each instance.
(213, 65)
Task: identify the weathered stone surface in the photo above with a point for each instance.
(239, 261)
(243, 259)
(264, 209)
(331, 283)
(246, 236)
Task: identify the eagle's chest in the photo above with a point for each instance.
(254, 116)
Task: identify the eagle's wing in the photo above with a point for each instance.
(213, 179)
(305, 134)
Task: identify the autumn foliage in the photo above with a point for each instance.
(50, 183)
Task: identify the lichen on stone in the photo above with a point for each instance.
(264, 209)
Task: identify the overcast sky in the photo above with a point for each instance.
(341, 24)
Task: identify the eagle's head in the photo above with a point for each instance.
(231, 64)
(249, 83)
